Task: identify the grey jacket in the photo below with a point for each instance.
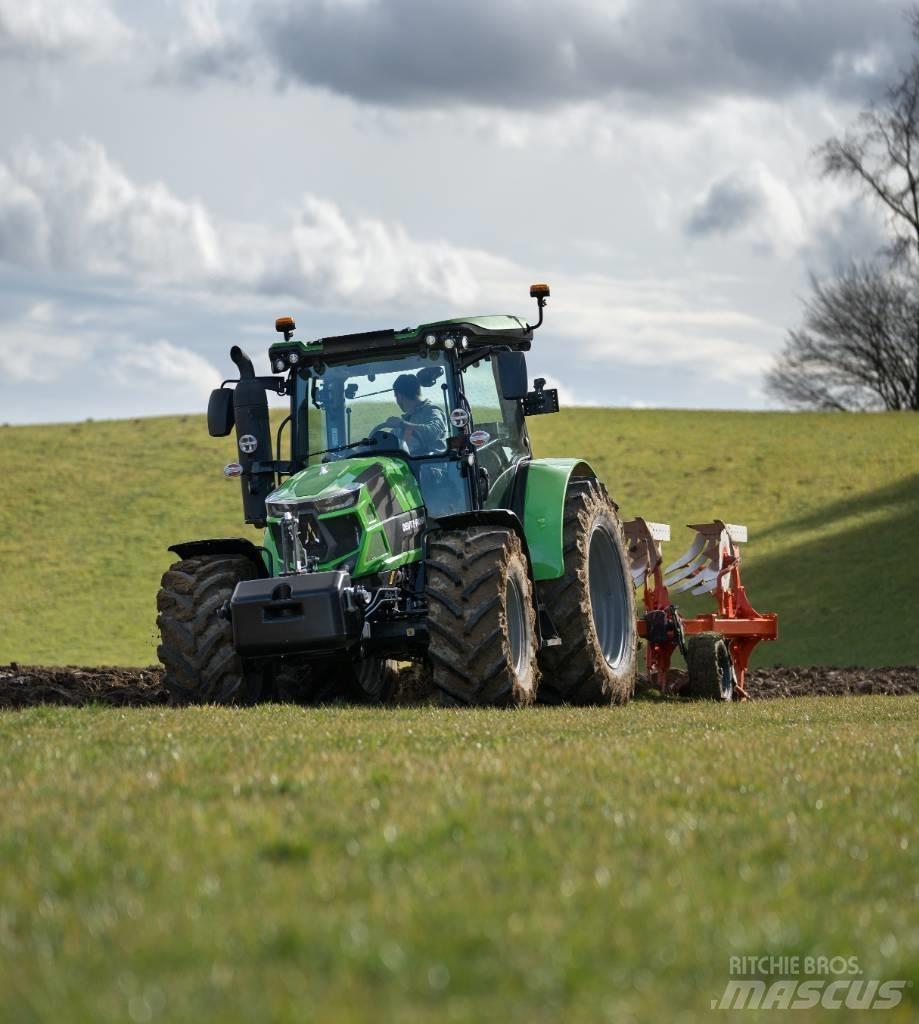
(425, 430)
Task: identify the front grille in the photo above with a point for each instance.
(325, 539)
(338, 537)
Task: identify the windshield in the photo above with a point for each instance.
(400, 404)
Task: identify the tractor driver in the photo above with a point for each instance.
(423, 427)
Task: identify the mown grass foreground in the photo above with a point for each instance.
(283, 863)
(831, 502)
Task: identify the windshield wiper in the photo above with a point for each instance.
(344, 447)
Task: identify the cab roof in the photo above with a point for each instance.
(479, 331)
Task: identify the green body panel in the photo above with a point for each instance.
(544, 512)
(271, 555)
(374, 555)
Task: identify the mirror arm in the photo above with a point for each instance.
(542, 306)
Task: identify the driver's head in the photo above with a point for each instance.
(407, 391)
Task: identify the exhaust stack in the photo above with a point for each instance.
(253, 438)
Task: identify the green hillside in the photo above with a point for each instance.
(831, 501)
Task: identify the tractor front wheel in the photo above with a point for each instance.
(481, 618)
(592, 606)
(370, 680)
(301, 679)
(196, 644)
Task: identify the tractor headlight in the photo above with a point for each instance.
(335, 502)
(345, 498)
(277, 504)
(279, 365)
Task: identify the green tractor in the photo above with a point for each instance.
(410, 522)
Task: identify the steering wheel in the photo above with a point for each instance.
(385, 438)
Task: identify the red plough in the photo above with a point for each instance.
(717, 647)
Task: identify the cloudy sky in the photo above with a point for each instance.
(174, 176)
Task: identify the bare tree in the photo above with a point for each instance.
(859, 348)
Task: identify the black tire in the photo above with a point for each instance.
(196, 646)
(710, 670)
(370, 680)
(481, 618)
(295, 680)
(592, 606)
(301, 679)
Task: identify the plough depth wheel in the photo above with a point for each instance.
(711, 673)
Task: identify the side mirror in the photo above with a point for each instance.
(220, 418)
(541, 400)
(512, 374)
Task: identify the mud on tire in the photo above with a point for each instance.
(196, 647)
(592, 606)
(481, 618)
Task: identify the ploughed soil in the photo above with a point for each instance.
(26, 685)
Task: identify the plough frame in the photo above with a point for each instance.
(711, 565)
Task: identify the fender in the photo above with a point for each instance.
(544, 511)
(225, 546)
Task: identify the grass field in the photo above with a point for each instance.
(282, 863)
(832, 503)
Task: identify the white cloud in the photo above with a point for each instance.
(366, 262)
(60, 29)
(162, 365)
(39, 346)
(48, 344)
(658, 325)
(752, 202)
(213, 43)
(71, 208)
(823, 223)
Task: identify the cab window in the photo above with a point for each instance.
(498, 429)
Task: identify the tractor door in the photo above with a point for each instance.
(498, 431)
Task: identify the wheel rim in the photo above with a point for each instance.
(725, 671)
(609, 600)
(518, 628)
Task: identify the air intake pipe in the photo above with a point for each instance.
(253, 438)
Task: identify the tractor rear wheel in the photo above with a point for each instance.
(592, 606)
(711, 671)
(481, 618)
(196, 645)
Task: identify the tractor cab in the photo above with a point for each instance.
(391, 432)
(433, 410)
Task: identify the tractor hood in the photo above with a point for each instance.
(361, 514)
(337, 485)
